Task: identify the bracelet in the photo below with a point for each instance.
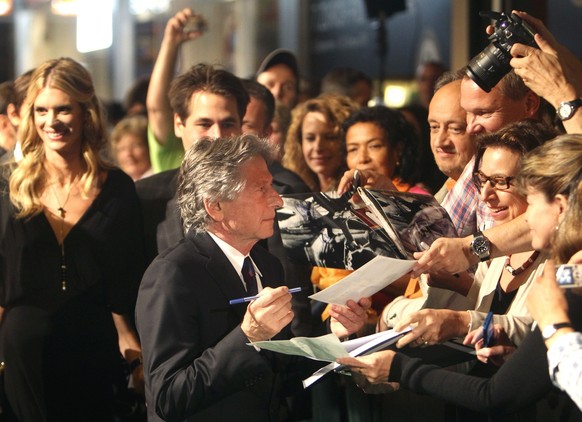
(135, 363)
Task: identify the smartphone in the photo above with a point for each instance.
(569, 276)
(488, 330)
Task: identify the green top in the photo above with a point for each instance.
(168, 156)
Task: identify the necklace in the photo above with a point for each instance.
(517, 271)
(62, 213)
(61, 209)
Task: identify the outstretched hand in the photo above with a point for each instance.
(375, 367)
(450, 255)
(431, 326)
(369, 178)
(349, 318)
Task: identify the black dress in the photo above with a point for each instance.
(60, 346)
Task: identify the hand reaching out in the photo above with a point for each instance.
(375, 367)
(432, 326)
(450, 255)
(370, 179)
(349, 318)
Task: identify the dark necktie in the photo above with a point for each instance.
(248, 273)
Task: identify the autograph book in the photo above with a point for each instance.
(336, 233)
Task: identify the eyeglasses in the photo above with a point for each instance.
(497, 182)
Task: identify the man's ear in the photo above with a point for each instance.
(268, 132)
(214, 210)
(562, 204)
(532, 104)
(178, 125)
(13, 115)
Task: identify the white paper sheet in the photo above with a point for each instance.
(358, 347)
(370, 278)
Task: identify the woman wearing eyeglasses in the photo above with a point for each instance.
(501, 285)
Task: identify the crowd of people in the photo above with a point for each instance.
(141, 258)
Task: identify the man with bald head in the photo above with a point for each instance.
(452, 146)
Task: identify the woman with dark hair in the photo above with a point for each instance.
(71, 257)
(380, 141)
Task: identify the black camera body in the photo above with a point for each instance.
(488, 67)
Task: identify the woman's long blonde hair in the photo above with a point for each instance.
(28, 180)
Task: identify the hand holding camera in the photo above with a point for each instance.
(488, 67)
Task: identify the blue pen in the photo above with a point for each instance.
(249, 298)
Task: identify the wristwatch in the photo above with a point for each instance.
(550, 330)
(481, 246)
(566, 109)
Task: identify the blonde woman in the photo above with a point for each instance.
(71, 254)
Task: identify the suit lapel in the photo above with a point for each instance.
(221, 270)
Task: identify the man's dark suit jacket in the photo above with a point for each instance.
(197, 364)
(161, 217)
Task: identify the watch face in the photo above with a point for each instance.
(480, 246)
(565, 111)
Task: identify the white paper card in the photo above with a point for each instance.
(370, 278)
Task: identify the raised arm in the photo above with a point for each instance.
(552, 71)
(160, 114)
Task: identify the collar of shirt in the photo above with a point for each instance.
(236, 259)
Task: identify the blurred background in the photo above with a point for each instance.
(118, 40)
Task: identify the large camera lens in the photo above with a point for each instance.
(489, 66)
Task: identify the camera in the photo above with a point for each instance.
(488, 67)
(569, 276)
(195, 23)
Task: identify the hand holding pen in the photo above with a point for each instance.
(268, 314)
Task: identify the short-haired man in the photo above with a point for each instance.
(279, 72)
(207, 102)
(197, 363)
(452, 146)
